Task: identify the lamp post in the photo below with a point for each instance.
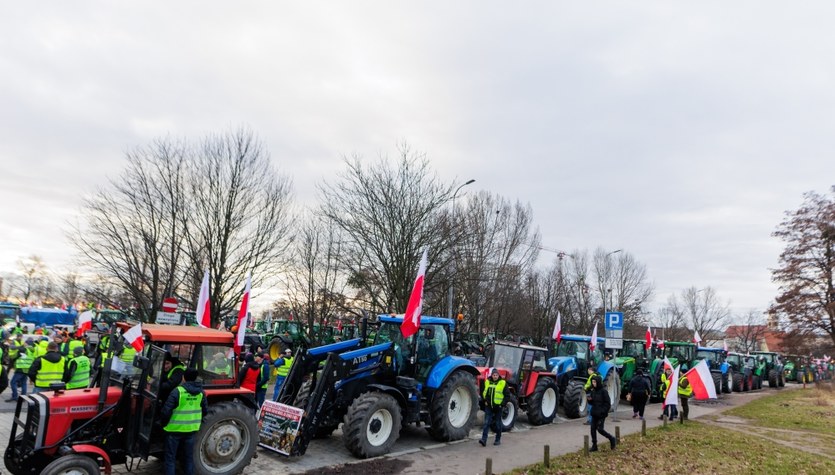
(454, 267)
(606, 260)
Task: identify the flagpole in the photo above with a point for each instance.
(454, 261)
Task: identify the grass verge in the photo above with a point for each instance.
(811, 409)
(690, 448)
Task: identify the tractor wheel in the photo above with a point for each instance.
(727, 379)
(72, 464)
(509, 413)
(738, 385)
(781, 379)
(717, 381)
(575, 400)
(227, 440)
(543, 404)
(276, 348)
(772, 379)
(372, 425)
(454, 407)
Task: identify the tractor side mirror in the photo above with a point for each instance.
(141, 362)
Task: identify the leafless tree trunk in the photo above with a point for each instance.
(70, 287)
(33, 277)
(749, 335)
(704, 310)
(673, 321)
(389, 213)
(624, 283)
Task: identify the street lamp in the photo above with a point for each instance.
(452, 223)
(606, 260)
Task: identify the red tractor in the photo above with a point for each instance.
(532, 387)
(89, 430)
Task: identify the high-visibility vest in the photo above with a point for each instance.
(127, 354)
(284, 369)
(50, 372)
(225, 368)
(685, 392)
(265, 368)
(587, 386)
(13, 353)
(171, 371)
(25, 360)
(75, 344)
(40, 348)
(81, 377)
(188, 414)
(497, 389)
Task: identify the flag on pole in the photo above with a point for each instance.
(85, 323)
(672, 392)
(593, 342)
(696, 338)
(725, 345)
(667, 364)
(204, 310)
(649, 339)
(134, 337)
(339, 326)
(557, 329)
(701, 381)
(243, 315)
(411, 320)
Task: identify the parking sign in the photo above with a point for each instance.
(614, 321)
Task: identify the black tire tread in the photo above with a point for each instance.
(441, 430)
(574, 395)
(61, 464)
(227, 410)
(356, 421)
(535, 416)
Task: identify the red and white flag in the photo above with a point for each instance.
(411, 320)
(672, 392)
(593, 342)
(701, 381)
(557, 334)
(339, 326)
(649, 338)
(204, 310)
(725, 345)
(660, 344)
(667, 364)
(134, 337)
(243, 316)
(85, 322)
(696, 338)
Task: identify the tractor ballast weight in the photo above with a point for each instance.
(570, 365)
(92, 429)
(372, 391)
(532, 387)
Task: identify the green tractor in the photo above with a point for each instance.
(769, 366)
(632, 356)
(678, 354)
(285, 334)
(791, 370)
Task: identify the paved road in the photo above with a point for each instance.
(523, 446)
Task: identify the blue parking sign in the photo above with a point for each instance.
(614, 321)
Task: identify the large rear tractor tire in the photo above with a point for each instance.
(372, 425)
(727, 380)
(544, 402)
(72, 464)
(738, 383)
(772, 379)
(717, 381)
(454, 407)
(575, 400)
(509, 413)
(276, 348)
(227, 440)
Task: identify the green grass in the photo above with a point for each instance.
(802, 409)
(691, 448)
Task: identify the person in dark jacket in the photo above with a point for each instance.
(249, 373)
(263, 377)
(639, 390)
(172, 376)
(600, 405)
(179, 421)
(494, 396)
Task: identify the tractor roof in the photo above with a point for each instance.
(182, 334)
(580, 338)
(518, 345)
(679, 343)
(711, 349)
(428, 320)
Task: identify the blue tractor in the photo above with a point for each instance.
(372, 391)
(720, 370)
(571, 363)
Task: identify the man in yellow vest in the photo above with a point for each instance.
(587, 387)
(181, 416)
(493, 399)
(78, 370)
(22, 355)
(685, 391)
(47, 369)
(282, 370)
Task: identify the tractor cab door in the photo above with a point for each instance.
(146, 403)
(432, 345)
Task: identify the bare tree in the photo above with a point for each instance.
(624, 282)
(389, 213)
(672, 321)
(237, 219)
(70, 287)
(806, 272)
(33, 277)
(750, 334)
(705, 312)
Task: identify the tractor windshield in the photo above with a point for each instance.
(505, 357)
(683, 353)
(634, 349)
(769, 357)
(710, 356)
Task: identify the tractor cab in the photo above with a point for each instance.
(415, 356)
(720, 370)
(769, 366)
(632, 356)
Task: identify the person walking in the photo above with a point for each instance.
(587, 387)
(282, 366)
(600, 403)
(639, 390)
(47, 369)
(22, 355)
(685, 391)
(181, 417)
(493, 399)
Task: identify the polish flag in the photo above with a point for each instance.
(557, 335)
(667, 364)
(725, 345)
(660, 344)
(204, 310)
(134, 337)
(243, 316)
(701, 381)
(411, 320)
(672, 392)
(593, 342)
(696, 338)
(649, 338)
(85, 322)
(339, 326)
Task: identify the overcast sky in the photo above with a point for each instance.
(677, 131)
